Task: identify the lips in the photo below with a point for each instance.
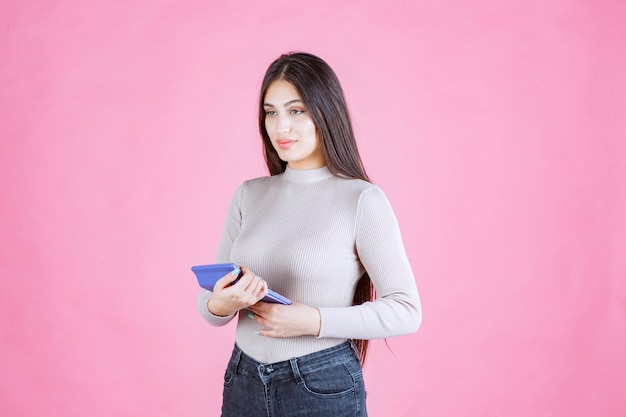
(285, 143)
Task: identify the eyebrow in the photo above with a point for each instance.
(286, 104)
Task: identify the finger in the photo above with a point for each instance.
(262, 290)
(247, 277)
(252, 282)
(252, 289)
(247, 273)
(262, 307)
(260, 320)
(253, 285)
(227, 279)
(269, 333)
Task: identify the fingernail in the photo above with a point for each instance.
(257, 332)
(258, 277)
(251, 315)
(235, 272)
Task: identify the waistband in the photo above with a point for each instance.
(342, 353)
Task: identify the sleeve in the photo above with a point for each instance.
(397, 309)
(232, 226)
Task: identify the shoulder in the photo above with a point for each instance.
(363, 197)
(361, 189)
(261, 183)
(372, 202)
(255, 188)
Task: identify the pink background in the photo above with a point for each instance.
(497, 130)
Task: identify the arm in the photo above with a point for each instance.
(232, 226)
(397, 309)
(286, 321)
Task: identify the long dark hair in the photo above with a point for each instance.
(321, 92)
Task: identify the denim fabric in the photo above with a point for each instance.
(325, 383)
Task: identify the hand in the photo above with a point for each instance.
(286, 320)
(227, 299)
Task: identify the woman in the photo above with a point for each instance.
(321, 234)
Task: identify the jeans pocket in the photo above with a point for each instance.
(231, 368)
(331, 381)
(228, 377)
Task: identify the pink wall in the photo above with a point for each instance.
(496, 129)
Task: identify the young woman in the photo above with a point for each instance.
(318, 232)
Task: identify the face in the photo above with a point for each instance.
(290, 127)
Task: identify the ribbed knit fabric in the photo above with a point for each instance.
(311, 236)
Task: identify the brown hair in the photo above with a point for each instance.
(321, 92)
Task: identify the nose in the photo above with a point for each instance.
(283, 125)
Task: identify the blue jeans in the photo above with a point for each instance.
(325, 383)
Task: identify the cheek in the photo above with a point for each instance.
(311, 129)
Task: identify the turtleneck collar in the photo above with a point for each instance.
(307, 175)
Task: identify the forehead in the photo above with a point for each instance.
(280, 92)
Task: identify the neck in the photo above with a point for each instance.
(307, 175)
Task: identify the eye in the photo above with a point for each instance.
(296, 112)
(270, 113)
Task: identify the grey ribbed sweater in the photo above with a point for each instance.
(311, 236)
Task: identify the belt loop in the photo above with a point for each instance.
(296, 371)
(354, 349)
